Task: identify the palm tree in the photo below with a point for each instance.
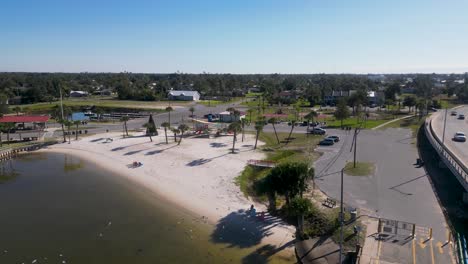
(182, 128)
(250, 112)
(76, 123)
(293, 123)
(243, 123)
(169, 110)
(165, 125)
(192, 110)
(17, 109)
(300, 207)
(258, 127)
(9, 127)
(234, 127)
(175, 131)
(273, 121)
(124, 119)
(311, 116)
(68, 124)
(99, 113)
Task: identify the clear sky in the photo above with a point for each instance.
(238, 36)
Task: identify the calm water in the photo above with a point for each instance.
(60, 208)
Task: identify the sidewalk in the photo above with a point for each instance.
(371, 249)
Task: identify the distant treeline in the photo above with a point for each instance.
(44, 87)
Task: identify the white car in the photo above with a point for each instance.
(459, 136)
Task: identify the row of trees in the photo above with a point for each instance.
(43, 87)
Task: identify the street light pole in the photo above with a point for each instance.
(445, 123)
(341, 219)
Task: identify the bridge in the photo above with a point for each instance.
(453, 154)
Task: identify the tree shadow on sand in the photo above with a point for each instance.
(132, 152)
(198, 162)
(118, 148)
(149, 153)
(218, 145)
(237, 229)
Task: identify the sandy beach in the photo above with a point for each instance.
(197, 175)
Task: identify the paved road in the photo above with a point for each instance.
(453, 125)
(398, 189)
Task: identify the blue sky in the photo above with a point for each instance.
(241, 36)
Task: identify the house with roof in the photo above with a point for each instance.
(183, 95)
(78, 94)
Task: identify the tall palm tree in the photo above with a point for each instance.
(182, 128)
(68, 124)
(124, 119)
(293, 123)
(9, 127)
(258, 127)
(76, 123)
(169, 110)
(234, 127)
(243, 123)
(165, 125)
(175, 131)
(250, 112)
(192, 110)
(273, 121)
(311, 116)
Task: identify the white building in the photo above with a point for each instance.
(78, 94)
(184, 95)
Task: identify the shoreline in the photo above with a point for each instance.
(212, 197)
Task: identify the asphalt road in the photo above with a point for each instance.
(453, 125)
(397, 190)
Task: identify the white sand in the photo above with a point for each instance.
(197, 175)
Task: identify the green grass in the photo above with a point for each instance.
(253, 94)
(362, 169)
(412, 123)
(353, 122)
(214, 103)
(299, 148)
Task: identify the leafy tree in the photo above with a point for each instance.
(68, 124)
(124, 119)
(342, 111)
(182, 128)
(410, 102)
(76, 123)
(300, 207)
(311, 115)
(289, 179)
(273, 121)
(169, 110)
(17, 110)
(258, 128)
(8, 127)
(166, 125)
(149, 127)
(235, 127)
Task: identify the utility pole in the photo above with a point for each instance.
(341, 219)
(445, 124)
(61, 109)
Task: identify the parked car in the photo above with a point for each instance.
(327, 142)
(317, 131)
(459, 137)
(335, 138)
(461, 116)
(453, 113)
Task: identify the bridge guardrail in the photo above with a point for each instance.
(450, 159)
